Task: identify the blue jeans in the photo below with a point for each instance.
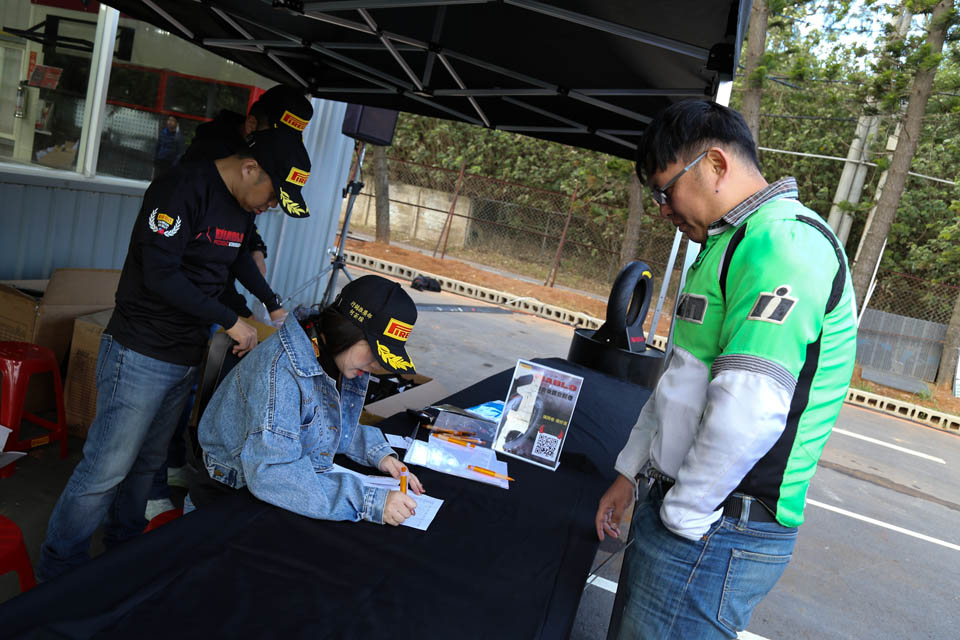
(677, 588)
(139, 400)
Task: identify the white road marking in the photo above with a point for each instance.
(746, 635)
(885, 525)
(603, 583)
(888, 445)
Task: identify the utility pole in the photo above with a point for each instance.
(854, 170)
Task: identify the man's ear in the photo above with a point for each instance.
(250, 169)
(717, 163)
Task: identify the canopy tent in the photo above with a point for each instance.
(587, 73)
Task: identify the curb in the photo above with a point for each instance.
(905, 410)
(527, 305)
(883, 404)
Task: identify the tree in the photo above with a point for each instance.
(381, 185)
(756, 70)
(631, 232)
(926, 59)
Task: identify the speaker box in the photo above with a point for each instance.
(370, 124)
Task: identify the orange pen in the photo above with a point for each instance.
(451, 432)
(451, 439)
(487, 472)
(403, 479)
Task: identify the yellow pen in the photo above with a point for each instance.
(452, 440)
(403, 479)
(488, 472)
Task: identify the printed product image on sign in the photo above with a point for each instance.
(536, 414)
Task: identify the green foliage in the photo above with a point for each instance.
(817, 82)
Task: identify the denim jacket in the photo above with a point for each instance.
(275, 423)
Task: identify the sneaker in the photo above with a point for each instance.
(179, 476)
(156, 507)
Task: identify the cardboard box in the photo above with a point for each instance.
(43, 311)
(80, 388)
(62, 156)
(48, 321)
(428, 391)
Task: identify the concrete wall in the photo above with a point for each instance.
(901, 345)
(416, 213)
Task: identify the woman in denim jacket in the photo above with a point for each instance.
(279, 417)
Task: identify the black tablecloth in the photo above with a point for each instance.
(495, 564)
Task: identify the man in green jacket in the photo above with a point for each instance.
(765, 340)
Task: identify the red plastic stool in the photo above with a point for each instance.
(19, 361)
(13, 554)
(163, 518)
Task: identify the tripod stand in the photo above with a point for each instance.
(353, 188)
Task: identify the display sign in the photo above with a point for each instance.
(536, 414)
(45, 77)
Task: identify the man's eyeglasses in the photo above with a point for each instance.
(660, 195)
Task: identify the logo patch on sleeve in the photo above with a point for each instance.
(692, 307)
(163, 224)
(773, 307)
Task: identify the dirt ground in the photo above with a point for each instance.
(940, 399)
(466, 273)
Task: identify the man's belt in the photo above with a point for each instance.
(732, 506)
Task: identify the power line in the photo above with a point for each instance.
(863, 162)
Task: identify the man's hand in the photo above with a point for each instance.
(245, 335)
(278, 316)
(613, 504)
(398, 508)
(391, 465)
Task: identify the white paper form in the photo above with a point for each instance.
(427, 506)
(397, 442)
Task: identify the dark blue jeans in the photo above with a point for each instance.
(139, 400)
(678, 588)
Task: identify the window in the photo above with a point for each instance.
(161, 89)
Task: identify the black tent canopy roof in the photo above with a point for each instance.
(589, 73)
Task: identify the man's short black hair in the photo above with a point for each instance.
(685, 129)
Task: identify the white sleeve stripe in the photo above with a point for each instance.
(753, 364)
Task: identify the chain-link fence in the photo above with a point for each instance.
(558, 238)
(904, 328)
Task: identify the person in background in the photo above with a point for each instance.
(765, 339)
(280, 107)
(188, 235)
(169, 148)
(280, 416)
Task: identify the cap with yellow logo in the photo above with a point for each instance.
(280, 152)
(386, 315)
(285, 106)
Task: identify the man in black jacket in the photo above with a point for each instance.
(188, 236)
(281, 107)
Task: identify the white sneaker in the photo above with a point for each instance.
(179, 476)
(156, 507)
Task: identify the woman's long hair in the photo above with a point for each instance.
(339, 333)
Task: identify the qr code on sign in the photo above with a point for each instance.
(546, 446)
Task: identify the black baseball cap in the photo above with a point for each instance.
(386, 315)
(280, 152)
(284, 107)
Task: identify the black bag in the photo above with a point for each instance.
(423, 283)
